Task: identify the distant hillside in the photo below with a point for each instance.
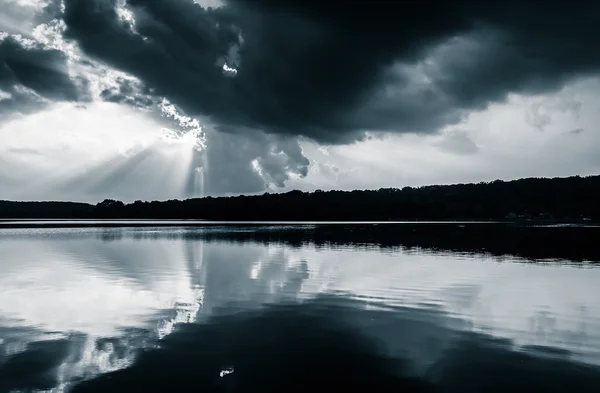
(572, 198)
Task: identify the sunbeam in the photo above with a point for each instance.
(103, 150)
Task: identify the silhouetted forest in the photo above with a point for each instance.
(562, 199)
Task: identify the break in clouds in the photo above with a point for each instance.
(264, 75)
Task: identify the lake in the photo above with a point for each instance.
(417, 307)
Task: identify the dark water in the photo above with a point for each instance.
(446, 308)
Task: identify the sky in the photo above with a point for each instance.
(153, 100)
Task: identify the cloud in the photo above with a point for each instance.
(540, 112)
(312, 69)
(32, 75)
(247, 163)
(303, 68)
(458, 142)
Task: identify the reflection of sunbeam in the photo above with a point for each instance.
(186, 308)
(195, 257)
(255, 270)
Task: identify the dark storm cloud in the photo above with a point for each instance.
(31, 74)
(127, 91)
(332, 69)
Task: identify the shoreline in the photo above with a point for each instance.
(84, 223)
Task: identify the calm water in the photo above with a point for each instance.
(246, 309)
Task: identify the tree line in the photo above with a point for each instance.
(571, 199)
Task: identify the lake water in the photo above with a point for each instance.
(455, 308)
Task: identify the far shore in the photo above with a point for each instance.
(82, 223)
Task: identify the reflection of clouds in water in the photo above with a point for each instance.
(330, 343)
(90, 356)
(282, 275)
(504, 297)
(498, 297)
(185, 310)
(88, 286)
(100, 285)
(73, 298)
(53, 365)
(252, 274)
(98, 290)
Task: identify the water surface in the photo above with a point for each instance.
(298, 308)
